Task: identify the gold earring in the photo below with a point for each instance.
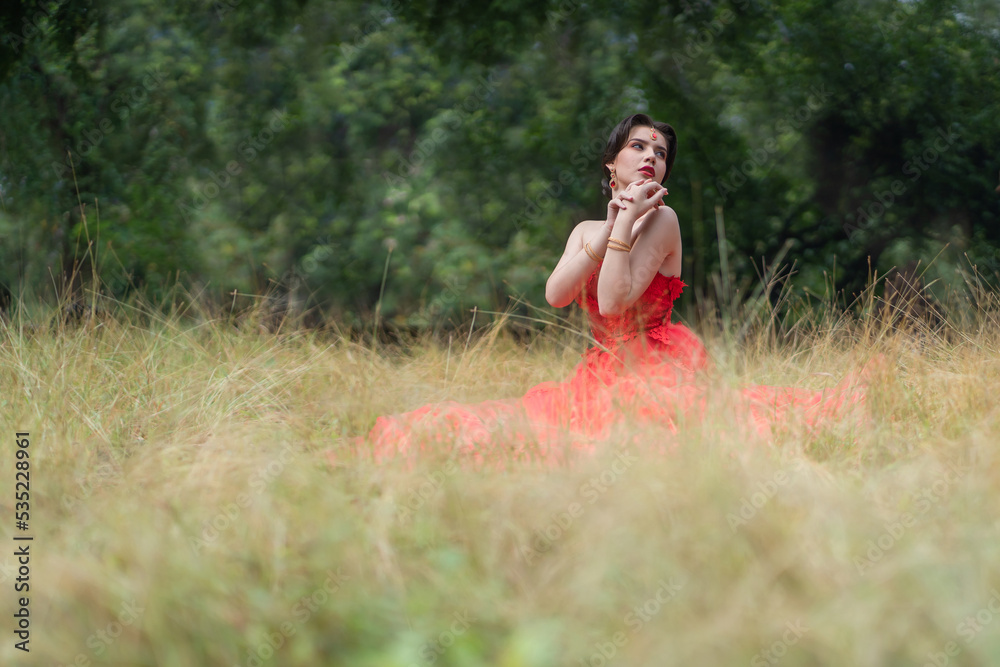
(612, 181)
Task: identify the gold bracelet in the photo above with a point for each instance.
(590, 251)
(614, 247)
(626, 246)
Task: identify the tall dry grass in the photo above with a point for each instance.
(184, 512)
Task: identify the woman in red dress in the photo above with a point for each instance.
(624, 271)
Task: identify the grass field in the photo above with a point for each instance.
(184, 512)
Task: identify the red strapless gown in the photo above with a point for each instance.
(644, 370)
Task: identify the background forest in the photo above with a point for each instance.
(306, 148)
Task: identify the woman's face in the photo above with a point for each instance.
(643, 156)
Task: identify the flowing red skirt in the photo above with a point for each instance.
(653, 378)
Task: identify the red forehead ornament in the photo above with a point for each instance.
(653, 131)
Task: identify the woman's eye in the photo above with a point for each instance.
(661, 154)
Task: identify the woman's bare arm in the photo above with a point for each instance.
(626, 275)
(574, 267)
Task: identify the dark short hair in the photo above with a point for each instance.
(619, 136)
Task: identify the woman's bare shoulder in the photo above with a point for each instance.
(588, 225)
(662, 219)
(666, 211)
(583, 229)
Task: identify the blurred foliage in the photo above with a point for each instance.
(297, 147)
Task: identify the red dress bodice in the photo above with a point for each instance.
(651, 312)
(642, 337)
